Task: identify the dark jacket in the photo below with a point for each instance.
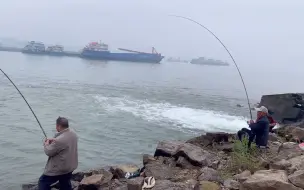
(261, 129)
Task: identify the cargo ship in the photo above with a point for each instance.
(34, 47)
(100, 51)
(212, 62)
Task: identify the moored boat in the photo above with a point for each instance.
(34, 47)
(212, 62)
(55, 50)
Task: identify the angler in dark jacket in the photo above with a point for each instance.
(259, 129)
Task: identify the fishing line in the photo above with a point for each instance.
(189, 19)
(25, 101)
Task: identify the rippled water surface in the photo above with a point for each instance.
(119, 110)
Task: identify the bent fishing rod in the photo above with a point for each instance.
(189, 19)
(25, 102)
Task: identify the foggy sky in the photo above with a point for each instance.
(260, 34)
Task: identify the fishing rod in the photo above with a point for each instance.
(189, 19)
(25, 102)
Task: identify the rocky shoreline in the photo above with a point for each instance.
(209, 162)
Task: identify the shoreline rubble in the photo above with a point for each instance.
(199, 164)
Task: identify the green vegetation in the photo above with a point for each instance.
(242, 158)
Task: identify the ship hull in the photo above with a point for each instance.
(130, 57)
(33, 52)
(55, 53)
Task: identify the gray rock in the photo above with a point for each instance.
(231, 184)
(283, 106)
(296, 164)
(121, 170)
(298, 133)
(78, 176)
(164, 172)
(196, 155)
(96, 180)
(159, 171)
(169, 185)
(273, 137)
(148, 158)
(215, 164)
(268, 180)
(167, 148)
(184, 175)
(297, 178)
(117, 185)
(280, 165)
(170, 161)
(209, 174)
(211, 138)
(288, 150)
(242, 176)
(226, 147)
(135, 183)
(207, 185)
(184, 163)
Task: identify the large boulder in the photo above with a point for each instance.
(296, 163)
(167, 148)
(78, 176)
(165, 172)
(194, 154)
(284, 106)
(287, 151)
(159, 171)
(268, 180)
(297, 178)
(96, 180)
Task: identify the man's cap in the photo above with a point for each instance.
(262, 109)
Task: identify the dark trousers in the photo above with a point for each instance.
(246, 132)
(45, 182)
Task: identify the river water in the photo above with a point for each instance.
(119, 110)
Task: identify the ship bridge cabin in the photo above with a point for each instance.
(35, 46)
(95, 46)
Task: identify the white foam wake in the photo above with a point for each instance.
(164, 113)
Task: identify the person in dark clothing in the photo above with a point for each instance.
(258, 130)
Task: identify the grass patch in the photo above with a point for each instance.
(242, 158)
